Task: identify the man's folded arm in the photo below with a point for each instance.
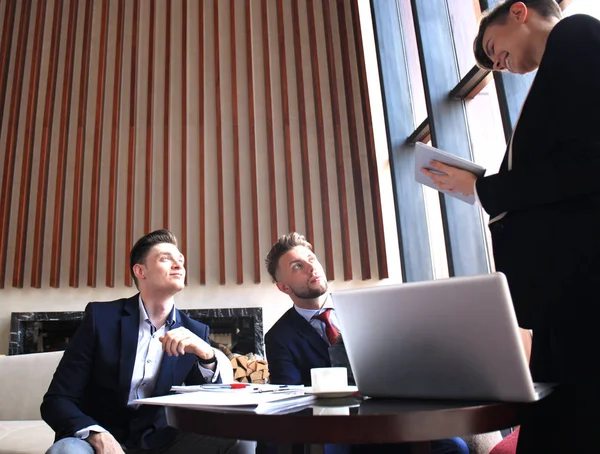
(61, 406)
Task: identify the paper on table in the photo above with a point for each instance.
(263, 403)
(424, 154)
(239, 387)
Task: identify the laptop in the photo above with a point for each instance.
(454, 338)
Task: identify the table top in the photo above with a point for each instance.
(354, 421)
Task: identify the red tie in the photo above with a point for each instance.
(331, 331)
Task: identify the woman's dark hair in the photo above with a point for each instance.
(499, 14)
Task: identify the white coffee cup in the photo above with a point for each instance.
(325, 379)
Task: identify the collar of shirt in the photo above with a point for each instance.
(145, 318)
(307, 314)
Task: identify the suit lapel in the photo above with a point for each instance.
(129, 333)
(306, 331)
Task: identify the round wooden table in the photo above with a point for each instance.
(354, 421)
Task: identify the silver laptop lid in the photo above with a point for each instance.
(454, 338)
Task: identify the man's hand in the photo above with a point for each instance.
(452, 179)
(104, 443)
(181, 340)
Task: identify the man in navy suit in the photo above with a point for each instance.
(133, 348)
(299, 341)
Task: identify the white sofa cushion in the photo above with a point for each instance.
(25, 437)
(25, 380)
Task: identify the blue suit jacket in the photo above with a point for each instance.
(293, 348)
(91, 384)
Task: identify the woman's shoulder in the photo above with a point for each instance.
(578, 27)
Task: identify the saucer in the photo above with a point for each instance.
(342, 392)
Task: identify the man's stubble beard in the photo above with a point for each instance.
(309, 293)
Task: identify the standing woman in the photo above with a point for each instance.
(544, 207)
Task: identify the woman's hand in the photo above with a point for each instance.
(451, 178)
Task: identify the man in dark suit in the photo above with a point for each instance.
(133, 348)
(544, 207)
(299, 340)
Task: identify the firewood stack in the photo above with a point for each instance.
(247, 368)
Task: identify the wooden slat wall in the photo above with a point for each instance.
(257, 114)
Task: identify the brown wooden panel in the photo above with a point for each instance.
(359, 201)
(63, 139)
(44, 162)
(5, 46)
(338, 145)
(166, 202)
(96, 156)
(183, 236)
(236, 148)
(285, 108)
(269, 120)
(252, 142)
(135, 44)
(322, 152)
(308, 226)
(202, 190)
(11, 135)
(370, 139)
(149, 118)
(79, 149)
(114, 149)
(27, 153)
(219, 132)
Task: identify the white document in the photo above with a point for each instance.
(424, 154)
(240, 387)
(236, 399)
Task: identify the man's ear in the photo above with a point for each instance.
(283, 287)
(139, 271)
(519, 11)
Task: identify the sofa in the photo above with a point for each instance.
(24, 379)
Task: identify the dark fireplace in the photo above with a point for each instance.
(239, 330)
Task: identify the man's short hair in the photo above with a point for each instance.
(284, 244)
(499, 14)
(142, 247)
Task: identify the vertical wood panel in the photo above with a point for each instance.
(166, 118)
(97, 159)
(370, 139)
(269, 121)
(44, 163)
(184, 138)
(201, 131)
(5, 46)
(79, 150)
(219, 137)
(285, 107)
(322, 152)
(26, 164)
(236, 147)
(308, 216)
(11, 138)
(339, 153)
(114, 148)
(252, 141)
(149, 121)
(363, 245)
(135, 44)
(63, 145)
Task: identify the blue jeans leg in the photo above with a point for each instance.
(454, 445)
(71, 445)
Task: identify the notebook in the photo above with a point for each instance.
(454, 338)
(424, 154)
